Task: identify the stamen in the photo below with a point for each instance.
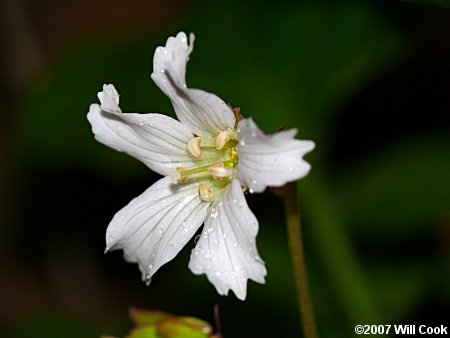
(205, 192)
(221, 139)
(193, 147)
(224, 136)
(219, 170)
(177, 176)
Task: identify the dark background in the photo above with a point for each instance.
(368, 81)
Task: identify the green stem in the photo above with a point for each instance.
(294, 229)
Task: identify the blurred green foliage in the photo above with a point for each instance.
(157, 324)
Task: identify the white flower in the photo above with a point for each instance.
(208, 158)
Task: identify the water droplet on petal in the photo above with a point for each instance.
(254, 182)
(214, 213)
(141, 123)
(251, 191)
(242, 143)
(150, 267)
(291, 169)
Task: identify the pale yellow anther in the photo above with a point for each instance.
(182, 179)
(178, 176)
(205, 192)
(218, 170)
(221, 139)
(193, 147)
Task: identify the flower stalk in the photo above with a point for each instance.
(294, 230)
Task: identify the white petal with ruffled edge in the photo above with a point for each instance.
(270, 160)
(204, 113)
(157, 140)
(155, 226)
(226, 251)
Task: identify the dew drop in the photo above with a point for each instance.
(214, 213)
(110, 238)
(141, 123)
(291, 169)
(254, 182)
(242, 143)
(150, 267)
(235, 201)
(217, 273)
(251, 191)
(235, 244)
(160, 231)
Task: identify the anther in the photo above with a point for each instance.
(221, 139)
(178, 176)
(193, 147)
(205, 192)
(219, 170)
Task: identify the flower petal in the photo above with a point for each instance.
(270, 160)
(226, 251)
(157, 140)
(155, 226)
(204, 113)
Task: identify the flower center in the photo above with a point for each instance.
(216, 159)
